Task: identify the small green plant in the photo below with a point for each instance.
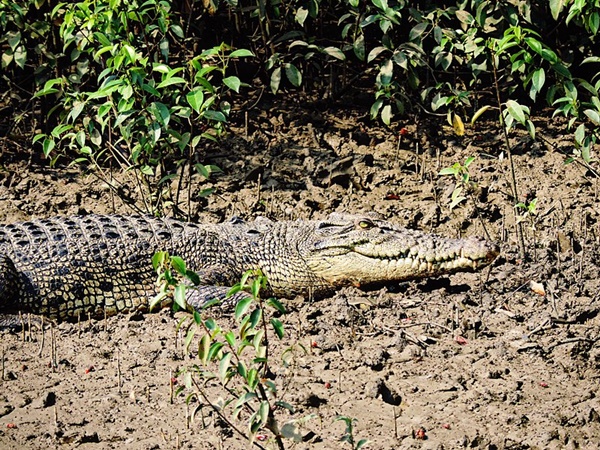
(527, 212)
(236, 362)
(464, 185)
(349, 433)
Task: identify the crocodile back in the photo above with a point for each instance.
(96, 264)
(22, 238)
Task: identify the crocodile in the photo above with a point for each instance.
(66, 268)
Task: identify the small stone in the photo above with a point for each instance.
(45, 401)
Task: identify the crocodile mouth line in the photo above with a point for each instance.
(422, 265)
(435, 261)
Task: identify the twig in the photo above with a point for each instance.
(53, 358)
(513, 179)
(569, 341)
(119, 369)
(43, 338)
(545, 325)
(409, 337)
(221, 415)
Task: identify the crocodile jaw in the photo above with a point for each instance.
(429, 255)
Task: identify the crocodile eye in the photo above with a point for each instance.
(365, 224)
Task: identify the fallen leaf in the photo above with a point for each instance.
(538, 288)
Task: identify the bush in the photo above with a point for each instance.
(140, 84)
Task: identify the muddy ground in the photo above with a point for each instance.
(482, 361)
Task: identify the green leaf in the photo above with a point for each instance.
(448, 171)
(240, 53)
(195, 99)
(230, 338)
(375, 53)
(80, 138)
(161, 113)
(242, 370)
(594, 21)
(417, 31)
(516, 111)
(49, 87)
(293, 74)
(562, 70)
(58, 130)
(386, 72)
(538, 79)
(203, 348)
(360, 444)
(530, 128)
(48, 146)
(214, 350)
(257, 340)
(275, 80)
(147, 170)
(242, 307)
(301, 15)
(161, 68)
(386, 114)
(479, 112)
(464, 17)
(232, 83)
(171, 81)
(556, 7)
(179, 296)
(580, 134)
(158, 259)
(38, 137)
(13, 39)
(277, 327)
(401, 59)
(217, 116)
(158, 298)
(177, 31)
(202, 170)
(189, 337)
(550, 56)
(259, 418)
(20, 56)
(7, 58)
(380, 4)
(224, 366)
(337, 53)
(358, 46)
(255, 317)
(534, 44)
(273, 302)
(593, 116)
(375, 107)
(193, 277)
(456, 197)
(252, 378)
(178, 264)
(255, 288)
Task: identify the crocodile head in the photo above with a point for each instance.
(361, 250)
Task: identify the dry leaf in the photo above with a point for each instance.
(538, 288)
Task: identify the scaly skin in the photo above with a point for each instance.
(65, 268)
